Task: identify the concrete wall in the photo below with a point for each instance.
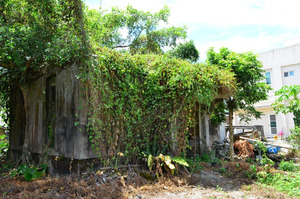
(46, 116)
(283, 122)
(291, 80)
(281, 60)
(277, 62)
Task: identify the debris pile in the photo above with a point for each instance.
(244, 148)
(103, 184)
(221, 149)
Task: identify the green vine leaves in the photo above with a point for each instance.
(139, 103)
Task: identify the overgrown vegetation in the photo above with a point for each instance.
(250, 88)
(287, 166)
(137, 104)
(147, 103)
(135, 31)
(29, 172)
(165, 163)
(288, 102)
(36, 36)
(283, 182)
(3, 146)
(294, 138)
(141, 100)
(266, 176)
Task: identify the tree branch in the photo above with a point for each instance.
(125, 46)
(10, 65)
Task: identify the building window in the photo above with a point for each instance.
(288, 74)
(273, 124)
(268, 78)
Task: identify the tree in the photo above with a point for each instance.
(288, 102)
(250, 87)
(187, 51)
(33, 33)
(34, 37)
(132, 29)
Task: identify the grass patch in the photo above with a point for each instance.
(285, 182)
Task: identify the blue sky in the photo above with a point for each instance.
(240, 25)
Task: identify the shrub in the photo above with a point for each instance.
(165, 162)
(29, 172)
(282, 182)
(3, 146)
(262, 176)
(267, 162)
(205, 158)
(222, 170)
(195, 164)
(294, 138)
(287, 165)
(252, 172)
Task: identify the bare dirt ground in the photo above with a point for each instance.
(130, 184)
(211, 184)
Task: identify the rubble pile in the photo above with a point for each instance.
(221, 149)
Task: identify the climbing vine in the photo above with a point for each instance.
(146, 103)
(36, 36)
(136, 103)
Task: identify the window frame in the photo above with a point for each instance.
(268, 77)
(273, 120)
(289, 73)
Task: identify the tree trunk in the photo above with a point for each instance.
(231, 152)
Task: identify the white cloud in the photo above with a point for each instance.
(225, 14)
(152, 6)
(218, 12)
(237, 12)
(242, 44)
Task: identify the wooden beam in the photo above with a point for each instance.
(265, 143)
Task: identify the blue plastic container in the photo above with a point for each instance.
(274, 149)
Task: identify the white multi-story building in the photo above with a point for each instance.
(282, 68)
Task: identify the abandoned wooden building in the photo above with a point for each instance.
(45, 110)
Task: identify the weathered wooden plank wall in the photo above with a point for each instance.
(56, 105)
(71, 140)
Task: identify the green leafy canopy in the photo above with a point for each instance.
(135, 99)
(132, 29)
(250, 87)
(249, 78)
(288, 102)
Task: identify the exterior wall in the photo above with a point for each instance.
(34, 105)
(291, 80)
(277, 62)
(283, 122)
(71, 140)
(50, 114)
(281, 60)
